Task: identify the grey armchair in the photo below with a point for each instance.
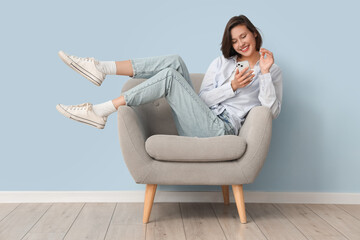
(148, 140)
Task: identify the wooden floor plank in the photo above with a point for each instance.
(127, 232)
(230, 222)
(165, 223)
(338, 218)
(55, 222)
(200, 222)
(181, 221)
(127, 223)
(16, 224)
(352, 209)
(6, 208)
(310, 224)
(272, 222)
(92, 222)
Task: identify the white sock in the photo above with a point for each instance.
(104, 109)
(107, 67)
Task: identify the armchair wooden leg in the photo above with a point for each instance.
(225, 190)
(239, 199)
(149, 200)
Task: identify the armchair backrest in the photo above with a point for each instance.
(158, 114)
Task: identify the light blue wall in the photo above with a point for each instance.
(315, 144)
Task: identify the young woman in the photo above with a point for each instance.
(226, 95)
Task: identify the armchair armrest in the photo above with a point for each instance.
(257, 133)
(133, 132)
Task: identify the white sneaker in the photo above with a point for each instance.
(85, 66)
(83, 113)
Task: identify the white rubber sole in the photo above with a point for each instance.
(79, 119)
(88, 75)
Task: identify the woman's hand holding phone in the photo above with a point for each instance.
(242, 79)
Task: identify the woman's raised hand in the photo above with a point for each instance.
(242, 79)
(266, 63)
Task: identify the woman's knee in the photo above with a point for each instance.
(173, 75)
(170, 71)
(177, 61)
(176, 57)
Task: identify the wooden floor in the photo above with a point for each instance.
(48, 221)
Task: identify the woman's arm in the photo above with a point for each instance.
(270, 94)
(208, 92)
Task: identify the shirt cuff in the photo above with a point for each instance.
(228, 90)
(265, 80)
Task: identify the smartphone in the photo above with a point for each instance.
(243, 64)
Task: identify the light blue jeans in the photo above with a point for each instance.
(167, 76)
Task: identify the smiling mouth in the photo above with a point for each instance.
(244, 49)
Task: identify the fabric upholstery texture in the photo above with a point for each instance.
(137, 124)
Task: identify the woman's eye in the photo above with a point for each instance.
(244, 36)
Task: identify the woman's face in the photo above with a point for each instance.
(243, 41)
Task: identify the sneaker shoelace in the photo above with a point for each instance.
(83, 106)
(88, 59)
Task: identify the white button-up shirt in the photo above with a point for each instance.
(264, 89)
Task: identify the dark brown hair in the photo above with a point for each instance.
(226, 44)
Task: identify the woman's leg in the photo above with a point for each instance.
(96, 71)
(140, 67)
(150, 66)
(192, 116)
(124, 68)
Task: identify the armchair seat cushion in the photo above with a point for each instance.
(193, 149)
